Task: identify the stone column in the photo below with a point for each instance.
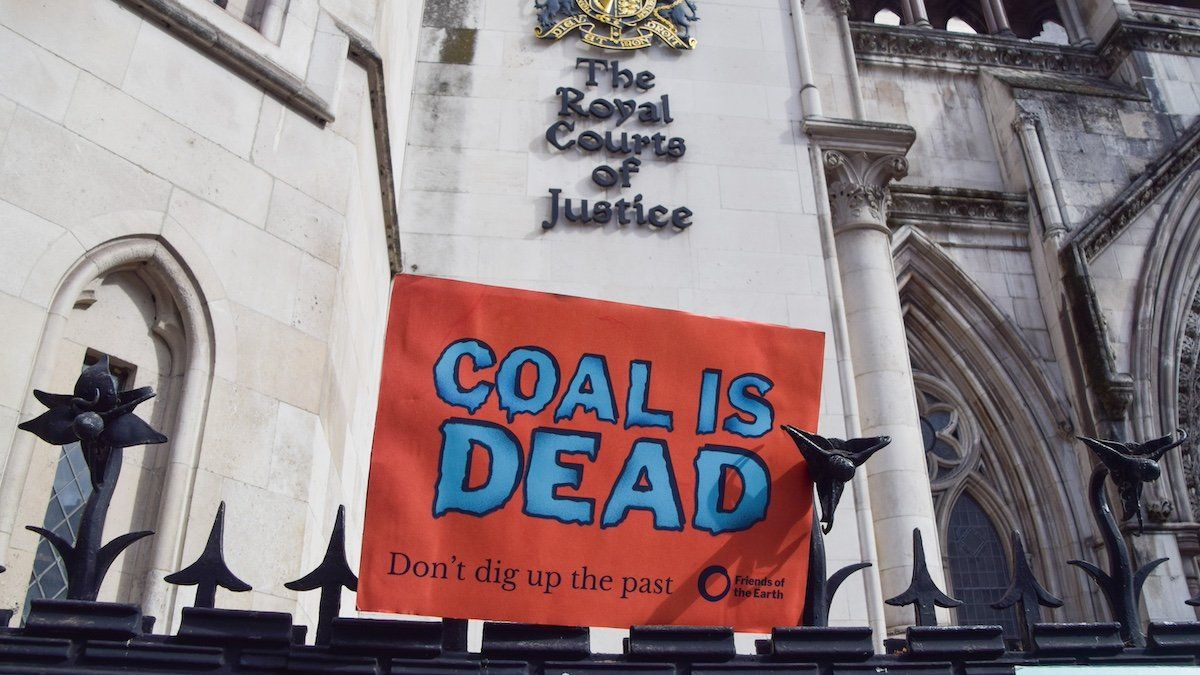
(997, 17)
(860, 160)
(914, 13)
(1026, 127)
(1074, 24)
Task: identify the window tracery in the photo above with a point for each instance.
(951, 440)
(1186, 4)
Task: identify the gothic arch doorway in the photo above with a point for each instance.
(997, 433)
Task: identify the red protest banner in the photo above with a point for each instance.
(557, 460)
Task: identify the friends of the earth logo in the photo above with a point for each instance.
(619, 24)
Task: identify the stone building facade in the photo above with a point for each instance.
(989, 207)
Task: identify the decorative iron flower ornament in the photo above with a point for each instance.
(1132, 464)
(832, 463)
(96, 415)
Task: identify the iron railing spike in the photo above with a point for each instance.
(330, 577)
(1025, 591)
(210, 570)
(819, 591)
(831, 463)
(923, 592)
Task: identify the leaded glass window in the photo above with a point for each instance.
(72, 485)
(978, 566)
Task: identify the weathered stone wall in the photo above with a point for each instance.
(1096, 145)
(1096, 142)
(962, 125)
(954, 146)
(112, 128)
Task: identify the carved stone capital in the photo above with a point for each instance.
(860, 159)
(858, 186)
(1025, 120)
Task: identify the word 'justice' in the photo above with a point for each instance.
(626, 142)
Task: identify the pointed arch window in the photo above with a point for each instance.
(129, 315)
(976, 556)
(1052, 33)
(967, 355)
(958, 25)
(978, 566)
(1035, 20)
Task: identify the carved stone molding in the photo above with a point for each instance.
(875, 42)
(1025, 120)
(1153, 32)
(1111, 221)
(861, 159)
(190, 27)
(1148, 36)
(1189, 402)
(915, 203)
(1152, 12)
(957, 217)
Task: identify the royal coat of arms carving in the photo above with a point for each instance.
(619, 24)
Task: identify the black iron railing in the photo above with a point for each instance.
(79, 634)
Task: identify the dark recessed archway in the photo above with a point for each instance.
(1026, 17)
